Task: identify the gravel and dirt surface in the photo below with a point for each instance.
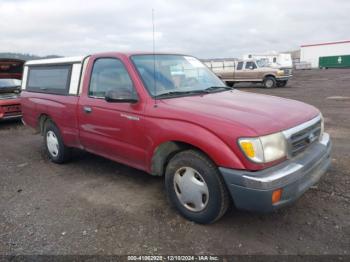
(95, 206)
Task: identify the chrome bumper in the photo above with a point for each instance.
(10, 117)
(253, 190)
(283, 78)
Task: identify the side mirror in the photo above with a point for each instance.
(17, 90)
(120, 96)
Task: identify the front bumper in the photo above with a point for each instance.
(14, 116)
(10, 109)
(283, 78)
(253, 190)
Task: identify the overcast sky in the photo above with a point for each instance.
(202, 28)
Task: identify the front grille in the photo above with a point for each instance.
(300, 140)
(11, 109)
(287, 71)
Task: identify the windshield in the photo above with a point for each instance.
(175, 74)
(5, 83)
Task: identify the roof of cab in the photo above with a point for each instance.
(63, 60)
(79, 59)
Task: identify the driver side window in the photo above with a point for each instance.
(250, 65)
(109, 74)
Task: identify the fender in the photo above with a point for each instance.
(269, 74)
(175, 131)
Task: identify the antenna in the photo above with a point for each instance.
(154, 59)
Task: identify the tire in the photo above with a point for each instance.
(230, 83)
(189, 172)
(54, 146)
(269, 82)
(282, 83)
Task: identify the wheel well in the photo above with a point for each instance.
(165, 151)
(230, 83)
(266, 76)
(42, 120)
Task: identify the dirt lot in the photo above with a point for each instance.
(95, 206)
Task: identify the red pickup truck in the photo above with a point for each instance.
(10, 83)
(169, 115)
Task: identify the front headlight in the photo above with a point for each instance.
(322, 127)
(280, 72)
(264, 149)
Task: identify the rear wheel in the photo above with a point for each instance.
(269, 82)
(195, 187)
(230, 83)
(55, 148)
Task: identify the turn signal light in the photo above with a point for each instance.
(276, 196)
(248, 148)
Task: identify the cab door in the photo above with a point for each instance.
(239, 72)
(250, 71)
(111, 129)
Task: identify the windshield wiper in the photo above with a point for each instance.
(218, 88)
(175, 93)
(200, 91)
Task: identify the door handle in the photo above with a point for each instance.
(87, 109)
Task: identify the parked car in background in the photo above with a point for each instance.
(250, 71)
(169, 115)
(10, 82)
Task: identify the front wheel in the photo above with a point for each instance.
(282, 83)
(269, 82)
(195, 187)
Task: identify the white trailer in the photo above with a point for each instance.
(311, 53)
(277, 60)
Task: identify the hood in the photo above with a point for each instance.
(262, 114)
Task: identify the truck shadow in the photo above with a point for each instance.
(100, 166)
(149, 186)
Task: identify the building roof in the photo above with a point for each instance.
(327, 43)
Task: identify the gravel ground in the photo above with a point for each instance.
(95, 206)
